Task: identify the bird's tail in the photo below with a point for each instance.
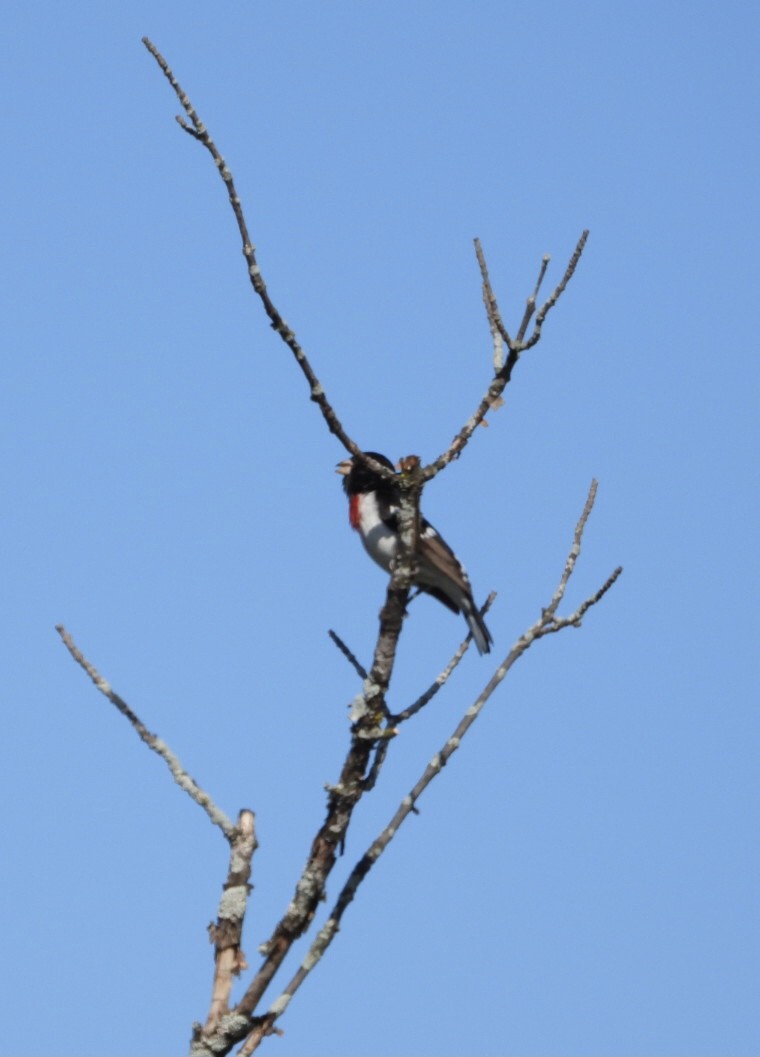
(480, 633)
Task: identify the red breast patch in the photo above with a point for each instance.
(353, 511)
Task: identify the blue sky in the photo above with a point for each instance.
(582, 879)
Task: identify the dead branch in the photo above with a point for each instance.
(496, 323)
(549, 304)
(368, 712)
(443, 678)
(199, 132)
(179, 774)
(530, 305)
(393, 721)
(502, 370)
(546, 624)
(360, 671)
(516, 346)
(226, 934)
(574, 553)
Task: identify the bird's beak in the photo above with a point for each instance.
(344, 468)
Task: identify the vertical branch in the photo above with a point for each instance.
(499, 334)
(227, 932)
(368, 714)
(530, 306)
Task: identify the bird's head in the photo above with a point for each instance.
(359, 477)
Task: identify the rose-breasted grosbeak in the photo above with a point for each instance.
(373, 511)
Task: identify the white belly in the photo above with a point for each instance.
(379, 541)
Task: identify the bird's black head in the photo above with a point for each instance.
(359, 477)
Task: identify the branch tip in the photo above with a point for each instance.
(154, 743)
(198, 130)
(352, 660)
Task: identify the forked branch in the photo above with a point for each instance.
(515, 347)
(502, 369)
(370, 710)
(227, 933)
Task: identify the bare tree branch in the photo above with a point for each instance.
(436, 685)
(264, 1026)
(575, 551)
(226, 934)
(179, 774)
(199, 132)
(360, 671)
(530, 306)
(553, 624)
(395, 720)
(381, 751)
(496, 324)
(500, 336)
(502, 375)
(546, 624)
(549, 304)
(368, 713)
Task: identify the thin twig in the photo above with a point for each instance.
(395, 720)
(546, 624)
(549, 304)
(263, 1027)
(491, 398)
(201, 134)
(530, 306)
(575, 550)
(360, 671)
(499, 332)
(575, 619)
(435, 686)
(179, 774)
(381, 751)
(544, 265)
(516, 346)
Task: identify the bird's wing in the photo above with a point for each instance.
(437, 555)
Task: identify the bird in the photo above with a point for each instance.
(373, 503)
